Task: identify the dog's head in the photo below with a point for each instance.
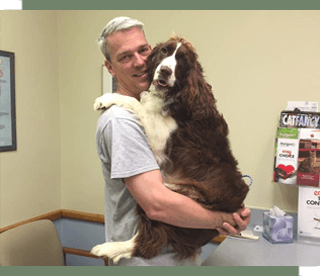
(170, 62)
(174, 70)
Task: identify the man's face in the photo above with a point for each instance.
(129, 51)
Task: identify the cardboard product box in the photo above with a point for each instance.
(309, 213)
(277, 229)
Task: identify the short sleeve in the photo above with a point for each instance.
(124, 144)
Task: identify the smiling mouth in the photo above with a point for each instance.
(160, 83)
(141, 74)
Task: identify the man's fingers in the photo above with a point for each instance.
(243, 220)
(245, 213)
(230, 229)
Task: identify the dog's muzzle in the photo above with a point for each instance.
(164, 77)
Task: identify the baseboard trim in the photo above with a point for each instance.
(82, 216)
(58, 214)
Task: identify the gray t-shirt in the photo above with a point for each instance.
(124, 151)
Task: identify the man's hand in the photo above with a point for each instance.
(242, 219)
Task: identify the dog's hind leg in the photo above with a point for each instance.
(152, 238)
(115, 250)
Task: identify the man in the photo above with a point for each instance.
(130, 171)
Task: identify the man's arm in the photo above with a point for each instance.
(170, 207)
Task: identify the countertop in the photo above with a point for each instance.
(242, 252)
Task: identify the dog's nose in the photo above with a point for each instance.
(165, 71)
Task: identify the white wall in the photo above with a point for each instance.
(30, 177)
(255, 60)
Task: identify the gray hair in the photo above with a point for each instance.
(116, 24)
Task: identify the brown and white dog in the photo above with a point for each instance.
(188, 137)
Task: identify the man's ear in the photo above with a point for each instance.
(109, 67)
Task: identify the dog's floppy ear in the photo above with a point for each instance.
(154, 52)
(151, 61)
(197, 94)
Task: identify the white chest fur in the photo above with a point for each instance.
(148, 111)
(157, 126)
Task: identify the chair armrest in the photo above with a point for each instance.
(83, 253)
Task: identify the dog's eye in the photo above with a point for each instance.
(182, 59)
(164, 50)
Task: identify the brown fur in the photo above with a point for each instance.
(200, 159)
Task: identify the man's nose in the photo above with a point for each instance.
(139, 60)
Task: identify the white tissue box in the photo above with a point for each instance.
(277, 229)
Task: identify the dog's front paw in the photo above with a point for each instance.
(97, 105)
(104, 101)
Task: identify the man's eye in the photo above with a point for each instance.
(144, 51)
(124, 58)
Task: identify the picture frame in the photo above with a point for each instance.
(109, 84)
(8, 138)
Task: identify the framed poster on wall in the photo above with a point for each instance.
(8, 140)
(109, 84)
